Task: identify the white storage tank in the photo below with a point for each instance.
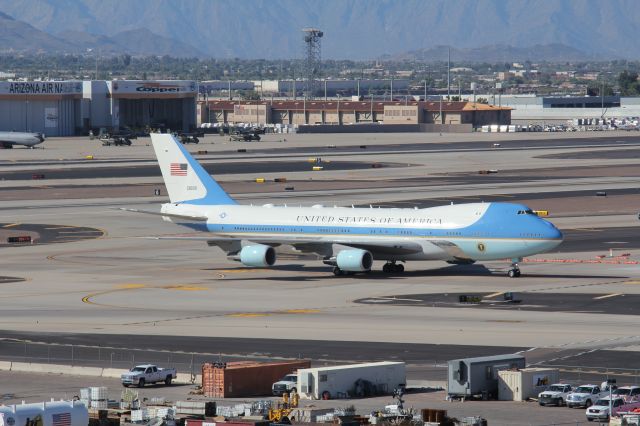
(99, 393)
(72, 413)
(520, 385)
(349, 381)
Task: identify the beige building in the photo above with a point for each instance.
(351, 112)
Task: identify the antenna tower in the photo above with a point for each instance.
(312, 61)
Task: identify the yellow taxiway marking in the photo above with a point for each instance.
(130, 286)
(135, 286)
(493, 295)
(606, 296)
(301, 311)
(585, 229)
(248, 315)
(185, 288)
(632, 282)
(62, 227)
(265, 314)
(504, 195)
(11, 225)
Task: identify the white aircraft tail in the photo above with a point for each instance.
(184, 177)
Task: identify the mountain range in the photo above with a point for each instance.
(354, 29)
(20, 37)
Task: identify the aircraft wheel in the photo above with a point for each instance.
(337, 271)
(513, 273)
(399, 268)
(386, 268)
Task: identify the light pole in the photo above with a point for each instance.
(371, 111)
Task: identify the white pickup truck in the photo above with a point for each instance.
(600, 409)
(584, 396)
(288, 383)
(140, 375)
(555, 394)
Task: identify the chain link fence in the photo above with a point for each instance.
(106, 356)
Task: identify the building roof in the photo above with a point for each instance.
(475, 106)
(361, 106)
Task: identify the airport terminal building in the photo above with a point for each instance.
(66, 108)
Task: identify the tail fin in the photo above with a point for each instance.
(185, 179)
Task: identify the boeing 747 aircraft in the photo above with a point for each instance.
(349, 239)
(9, 139)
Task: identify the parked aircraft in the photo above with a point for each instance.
(349, 239)
(9, 139)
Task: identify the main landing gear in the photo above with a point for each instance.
(514, 271)
(393, 268)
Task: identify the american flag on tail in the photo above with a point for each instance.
(178, 169)
(63, 419)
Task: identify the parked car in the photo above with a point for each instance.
(584, 396)
(555, 394)
(140, 375)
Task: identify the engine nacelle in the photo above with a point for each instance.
(258, 255)
(354, 260)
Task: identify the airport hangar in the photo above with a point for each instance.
(67, 108)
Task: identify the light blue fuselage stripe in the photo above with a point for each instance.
(337, 231)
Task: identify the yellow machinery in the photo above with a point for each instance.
(285, 407)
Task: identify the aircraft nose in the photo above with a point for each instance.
(553, 233)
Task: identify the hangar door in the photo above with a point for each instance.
(174, 114)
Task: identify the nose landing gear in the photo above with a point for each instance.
(514, 271)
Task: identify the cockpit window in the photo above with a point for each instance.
(528, 211)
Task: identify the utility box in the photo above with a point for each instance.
(349, 381)
(520, 385)
(478, 377)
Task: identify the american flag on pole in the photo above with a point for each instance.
(63, 419)
(178, 169)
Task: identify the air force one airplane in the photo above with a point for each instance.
(349, 239)
(9, 139)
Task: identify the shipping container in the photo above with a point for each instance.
(520, 385)
(471, 377)
(354, 380)
(245, 378)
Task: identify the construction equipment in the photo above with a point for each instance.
(283, 409)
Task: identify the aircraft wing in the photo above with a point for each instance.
(175, 216)
(451, 248)
(307, 244)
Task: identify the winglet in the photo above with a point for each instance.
(186, 180)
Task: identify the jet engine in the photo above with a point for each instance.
(354, 260)
(258, 255)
